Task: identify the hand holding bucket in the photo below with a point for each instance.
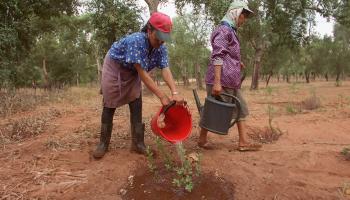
(176, 124)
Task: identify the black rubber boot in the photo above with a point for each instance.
(137, 134)
(102, 147)
(137, 127)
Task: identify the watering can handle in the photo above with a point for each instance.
(167, 107)
(236, 101)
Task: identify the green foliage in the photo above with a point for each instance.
(278, 38)
(21, 22)
(111, 20)
(189, 46)
(150, 159)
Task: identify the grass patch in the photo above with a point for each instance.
(312, 102)
(27, 127)
(15, 101)
(346, 153)
(293, 109)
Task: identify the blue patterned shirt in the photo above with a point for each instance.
(134, 48)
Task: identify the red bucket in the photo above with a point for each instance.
(178, 124)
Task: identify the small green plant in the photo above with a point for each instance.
(290, 109)
(186, 171)
(269, 90)
(346, 152)
(294, 88)
(168, 163)
(338, 83)
(275, 132)
(182, 172)
(150, 159)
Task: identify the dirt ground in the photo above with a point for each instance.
(304, 163)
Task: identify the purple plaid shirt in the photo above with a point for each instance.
(226, 52)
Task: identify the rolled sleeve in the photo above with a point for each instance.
(220, 48)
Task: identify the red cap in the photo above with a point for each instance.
(163, 24)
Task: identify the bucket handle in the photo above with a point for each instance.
(236, 102)
(167, 107)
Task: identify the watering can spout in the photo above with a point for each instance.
(196, 98)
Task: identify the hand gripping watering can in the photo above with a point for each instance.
(218, 116)
(177, 121)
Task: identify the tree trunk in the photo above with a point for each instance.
(268, 78)
(152, 5)
(45, 75)
(243, 76)
(307, 77)
(77, 79)
(256, 69)
(337, 79)
(185, 78)
(326, 77)
(313, 76)
(198, 76)
(99, 69)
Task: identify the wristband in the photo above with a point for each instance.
(175, 93)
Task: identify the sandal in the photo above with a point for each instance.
(250, 147)
(206, 146)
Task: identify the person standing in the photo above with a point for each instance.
(126, 64)
(224, 70)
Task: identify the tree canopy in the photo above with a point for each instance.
(56, 43)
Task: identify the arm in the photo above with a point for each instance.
(151, 85)
(217, 81)
(169, 80)
(220, 49)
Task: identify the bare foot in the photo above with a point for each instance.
(249, 147)
(206, 146)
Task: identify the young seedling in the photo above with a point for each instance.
(269, 90)
(275, 132)
(168, 163)
(290, 109)
(150, 159)
(186, 171)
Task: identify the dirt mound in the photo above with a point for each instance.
(153, 186)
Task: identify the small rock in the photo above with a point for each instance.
(193, 157)
(347, 191)
(122, 192)
(216, 173)
(131, 180)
